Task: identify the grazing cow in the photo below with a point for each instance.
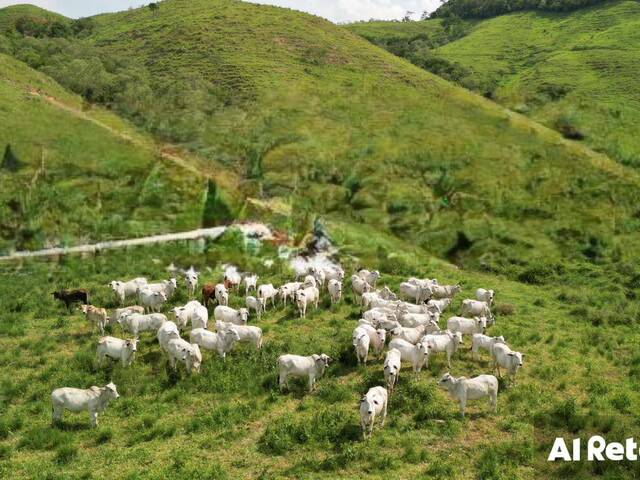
(95, 317)
(392, 366)
(183, 351)
(191, 280)
(361, 341)
(252, 303)
(250, 282)
(193, 312)
(167, 331)
(221, 294)
(306, 296)
(506, 358)
(228, 314)
(134, 323)
(417, 354)
(267, 292)
(467, 326)
(150, 300)
(94, 400)
(370, 277)
(117, 349)
(358, 287)
(289, 290)
(69, 297)
(463, 389)
(168, 287)
(418, 293)
(414, 334)
(246, 333)
(221, 341)
(444, 291)
(485, 296)
(119, 312)
(417, 319)
(335, 290)
(447, 343)
(475, 308)
(125, 290)
(312, 367)
(374, 403)
(208, 292)
(480, 341)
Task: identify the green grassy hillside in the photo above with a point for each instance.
(86, 175)
(580, 377)
(570, 71)
(313, 116)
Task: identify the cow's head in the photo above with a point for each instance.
(445, 381)
(321, 361)
(115, 285)
(111, 391)
(132, 345)
(382, 335)
(481, 323)
(499, 339)
(83, 308)
(231, 335)
(423, 348)
(516, 358)
(243, 313)
(368, 405)
(195, 358)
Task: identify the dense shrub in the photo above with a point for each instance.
(492, 8)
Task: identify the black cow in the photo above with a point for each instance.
(69, 297)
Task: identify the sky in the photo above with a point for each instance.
(339, 11)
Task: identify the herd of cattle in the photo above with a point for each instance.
(413, 328)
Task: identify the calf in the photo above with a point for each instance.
(312, 367)
(506, 358)
(246, 333)
(374, 403)
(371, 277)
(265, 293)
(221, 294)
(417, 354)
(151, 300)
(250, 283)
(480, 341)
(288, 290)
(254, 304)
(306, 296)
(463, 389)
(119, 312)
(95, 316)
(358, 287)
(444, 291)
(193, 312)
(94, 400)
(208, 291)
(117, 349)
(69, 297)
(392, 366)
(191, 280)
(377, 337)
(361, 341)
(222, 341)
(180, 350)
(334, 288)
(485, 296)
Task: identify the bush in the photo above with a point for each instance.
(505, 309)
(65, 454)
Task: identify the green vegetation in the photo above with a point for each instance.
(492, 8)
(573, 72)
(231, 421)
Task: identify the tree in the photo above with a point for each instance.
(154, 7)
(10, 161)
(407, 16)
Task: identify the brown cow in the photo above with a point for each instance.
(208, 292)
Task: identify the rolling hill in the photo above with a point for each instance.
(570, 71)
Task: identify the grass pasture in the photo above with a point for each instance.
(231, 421)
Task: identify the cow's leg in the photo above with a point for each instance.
(94, 418)
(463, 404)
(384, 413)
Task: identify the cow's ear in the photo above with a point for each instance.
(522, 355)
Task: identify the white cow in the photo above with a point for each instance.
(371, 277)
(232, 277)
(119, 312)
(150, 300)
(167, 331)
(380, 314)
(476, 308)
(417, 319)
(306, 296)
(463, 389)
(288, 290)
(392, 366)
(506, 358)
(267, 292)
(374, 403)
(310, 281)
(438, 305)
(447, 343)
(246, 333)
(486, 296)
(117, 349)
(128, 289)
(417, 293)
(361, 341)
(334, 273)
(135, 323)
(221, 341)
(193, 312)
(467, 326)
(377, 337)
(228, 314)
(319, 275)
(311, 367)
(221, 294)
(417, 355)
(480, 341)
(359, 286)
(250, 282)
(252, 303)
(444, 291)
(414, 334)
(334, 288)
(183, 351)
(168, 287)
(191, 280)
(94, 400)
